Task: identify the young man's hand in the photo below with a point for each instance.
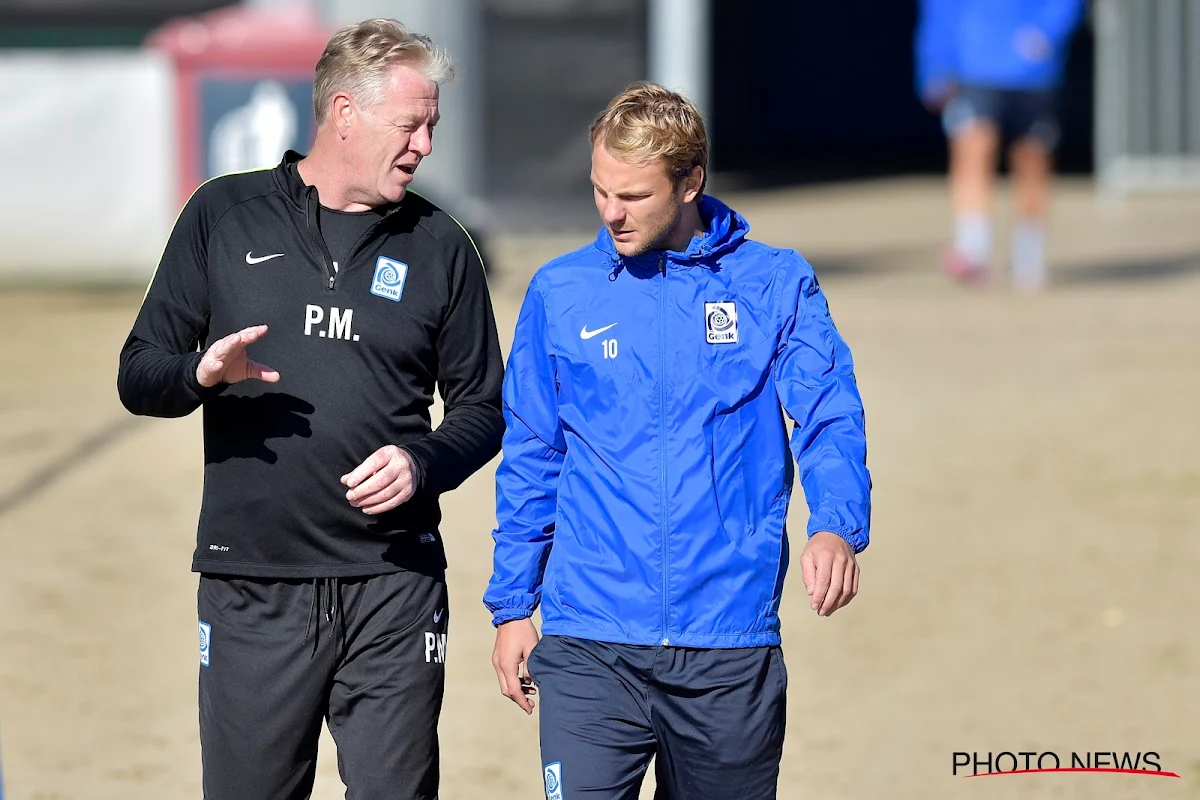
(936, 95)
(830, 572)
(515, 640)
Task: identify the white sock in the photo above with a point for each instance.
(1029, 254)
(973, 238)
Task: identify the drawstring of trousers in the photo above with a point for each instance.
(332, 609)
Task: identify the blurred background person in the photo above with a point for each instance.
(993, 69)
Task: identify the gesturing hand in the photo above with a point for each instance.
(830, 572)
(382, 482)
(225, 361)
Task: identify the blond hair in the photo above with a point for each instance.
(647, 123)
(358, 58)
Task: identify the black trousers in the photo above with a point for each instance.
(712, 718)
(277, 657)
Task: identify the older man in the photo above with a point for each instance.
(322, 592)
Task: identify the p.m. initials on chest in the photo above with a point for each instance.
(335, 322)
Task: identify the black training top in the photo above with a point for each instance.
(341, 230)
(359, 351)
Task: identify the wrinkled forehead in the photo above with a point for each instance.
(406, 87)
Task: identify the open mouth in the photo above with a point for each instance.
(407, 169)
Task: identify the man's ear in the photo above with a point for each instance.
(693, 184)
(343, 113)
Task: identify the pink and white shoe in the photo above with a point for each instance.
(957, 266)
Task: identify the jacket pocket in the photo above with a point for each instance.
(730, 489)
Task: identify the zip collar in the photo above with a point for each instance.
(725, 229)
(295, 190)
(301, 195)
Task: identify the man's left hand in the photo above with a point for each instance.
(830, 572)
(382, 482)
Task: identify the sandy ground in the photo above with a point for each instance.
(1031, 585)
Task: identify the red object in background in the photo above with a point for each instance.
(243, 86)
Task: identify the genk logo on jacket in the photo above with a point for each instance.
(720, 323)
(388, 282)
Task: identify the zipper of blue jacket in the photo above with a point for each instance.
(662, 449)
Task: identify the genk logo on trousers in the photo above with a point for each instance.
(205, 643)
(554, 781)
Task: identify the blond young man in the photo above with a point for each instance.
(322, 592)
(646, 477)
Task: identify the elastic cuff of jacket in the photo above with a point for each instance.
(510, 614)
(419, 470)
(854, 537)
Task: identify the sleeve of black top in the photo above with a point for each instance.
(156, 375)
(470, 378)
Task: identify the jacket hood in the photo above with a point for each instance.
(725, 229)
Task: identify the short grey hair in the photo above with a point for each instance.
(358, 58)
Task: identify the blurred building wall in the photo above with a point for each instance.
(1147, 93)
(454, 174)
(89, 23)
(551, 66)
(87, 158)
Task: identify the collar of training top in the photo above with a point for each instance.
(297, 191)
(289, 183)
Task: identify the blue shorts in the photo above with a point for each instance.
(714, 719)
(1017, 114)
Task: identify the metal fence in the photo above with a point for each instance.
(1147, 95)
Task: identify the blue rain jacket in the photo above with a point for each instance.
(645, 478)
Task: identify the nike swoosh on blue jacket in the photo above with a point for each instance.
(645, 479)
